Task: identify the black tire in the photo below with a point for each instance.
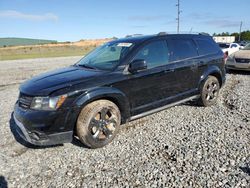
(209, 91)
(229, 71)
(98, 123)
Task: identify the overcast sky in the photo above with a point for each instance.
(72, 20)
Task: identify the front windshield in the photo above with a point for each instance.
(247, 47)
(107, 56)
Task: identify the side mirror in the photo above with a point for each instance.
(137, 65)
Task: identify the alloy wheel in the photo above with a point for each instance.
(102, 126)
(211, 91)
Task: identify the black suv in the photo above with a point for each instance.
(119, 81)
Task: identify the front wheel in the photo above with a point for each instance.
(98, 123)
(209, 91)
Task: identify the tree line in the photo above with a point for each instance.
(245, 35)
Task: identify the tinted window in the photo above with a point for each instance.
(223, 45)
(247, 47)
(206, 47)
(182, 49)
(234, 46)
(154, 53)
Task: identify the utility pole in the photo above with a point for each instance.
(178, 16)
(240, 31)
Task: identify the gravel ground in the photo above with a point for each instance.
(184, 146)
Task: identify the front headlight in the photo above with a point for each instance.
(231, 57)
(47, 103)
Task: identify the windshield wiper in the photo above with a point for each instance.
(86, 66)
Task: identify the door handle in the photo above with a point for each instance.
(168, 70)
(201, 63)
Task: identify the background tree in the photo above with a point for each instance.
(245, 35)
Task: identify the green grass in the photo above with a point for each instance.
(5, 42)
(43, 51)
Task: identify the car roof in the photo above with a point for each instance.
(143, 38)
(135, 39)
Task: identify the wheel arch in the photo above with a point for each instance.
(218, 76)
(107, 93)
(212, 71)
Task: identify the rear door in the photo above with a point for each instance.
(208, 55)
(184, 55)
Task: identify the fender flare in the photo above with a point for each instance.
(214, 71)
(109, 93)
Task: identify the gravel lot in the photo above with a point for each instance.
(184, 146)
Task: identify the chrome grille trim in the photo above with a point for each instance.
(242, 60)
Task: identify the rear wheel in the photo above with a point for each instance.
(209, 91)
(98, 123)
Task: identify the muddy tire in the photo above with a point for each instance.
(209, 91)
(98, 123)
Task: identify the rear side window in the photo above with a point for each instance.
(154, 53)
(182, 49)
(206, 47)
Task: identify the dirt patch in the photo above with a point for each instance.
(228, 101)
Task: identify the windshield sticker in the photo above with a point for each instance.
(124, 44)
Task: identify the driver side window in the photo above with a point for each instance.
(155, 54)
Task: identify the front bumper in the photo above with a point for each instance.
(39, 134)
(232, 64)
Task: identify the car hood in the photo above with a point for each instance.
(44, 84)
(242, 54)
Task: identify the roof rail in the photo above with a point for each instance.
(203, 33)
(162, 33)
(134, 35)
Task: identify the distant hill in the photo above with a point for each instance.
(4, 42)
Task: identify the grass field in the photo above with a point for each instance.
(78, 48)
(5, 42)
(43, 51)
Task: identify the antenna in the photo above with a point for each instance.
(178, 16)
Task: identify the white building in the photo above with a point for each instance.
(224, 39)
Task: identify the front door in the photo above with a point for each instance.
(149, 88)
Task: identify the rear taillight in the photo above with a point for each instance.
(225, 57)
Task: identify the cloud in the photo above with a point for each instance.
(170, 22)
(147, 18)
(199, 16)
(213, 20)
(31, 17)
(223, 23)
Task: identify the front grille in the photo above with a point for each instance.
(242, 60)
(24, 101)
